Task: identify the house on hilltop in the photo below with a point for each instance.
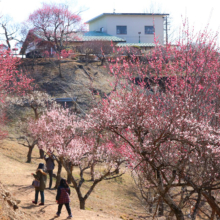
(134, 28)
(120, 29)
(34, 45)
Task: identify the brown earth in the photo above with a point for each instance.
(115, 199)
(87, 83)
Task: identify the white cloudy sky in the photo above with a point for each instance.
(198, 12)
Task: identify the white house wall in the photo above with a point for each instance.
(99, 23)
(134, 23)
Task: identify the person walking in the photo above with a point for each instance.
(50, 166)
(63, 197)
(42, 177)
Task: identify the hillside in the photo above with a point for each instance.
(78, 80)
(113, 199)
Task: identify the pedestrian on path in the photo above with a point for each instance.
(63, 197)
(42, 177)
(50, 166)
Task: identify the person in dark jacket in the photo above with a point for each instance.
(63, 197)
(42, 177)
(50, 166)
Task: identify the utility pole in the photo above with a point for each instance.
(166, 32)
(139, 36)
(166, 29)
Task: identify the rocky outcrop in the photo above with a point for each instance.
(9, 208)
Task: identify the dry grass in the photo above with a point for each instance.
(117, 197)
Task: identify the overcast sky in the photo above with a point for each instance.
(198, 12)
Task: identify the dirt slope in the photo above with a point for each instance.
(78, 80)
(16, 176)
(112, 199)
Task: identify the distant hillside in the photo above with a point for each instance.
(79, 80)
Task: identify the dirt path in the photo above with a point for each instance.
(16, 176)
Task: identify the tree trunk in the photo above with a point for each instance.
(196, 207)
(170, 216)
(87, 59)
(69, 176)
(92, 172)
(150, 207)
(30, 149)
(211, 201)
(213, 215)
(77, 187)
(168, 199)
(32, 66)
(176, 210)
(7, 36)
(35, 112)
(33, 62)
(58, 175)
(217, 217)
(161, 208)
(59, 66)
(102, 62)
(69, 169)
(41, 154)
(82, 204)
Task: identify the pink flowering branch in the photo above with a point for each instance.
(73, 142)
(165, 108)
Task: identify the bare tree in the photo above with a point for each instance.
(9, 31)
(55, 25)
(169, 29)
(38, 102)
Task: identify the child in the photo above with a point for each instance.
(62, 197)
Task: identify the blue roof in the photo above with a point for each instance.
(90, 36)
(135, 45)
(97, 36)
(96, 33)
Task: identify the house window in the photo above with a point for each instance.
(121, 29)
(149, 29)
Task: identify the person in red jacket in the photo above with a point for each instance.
(63, 197)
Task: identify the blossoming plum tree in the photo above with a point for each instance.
(169, 121)
(166, 124)
(13, 81)
(71, 140)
